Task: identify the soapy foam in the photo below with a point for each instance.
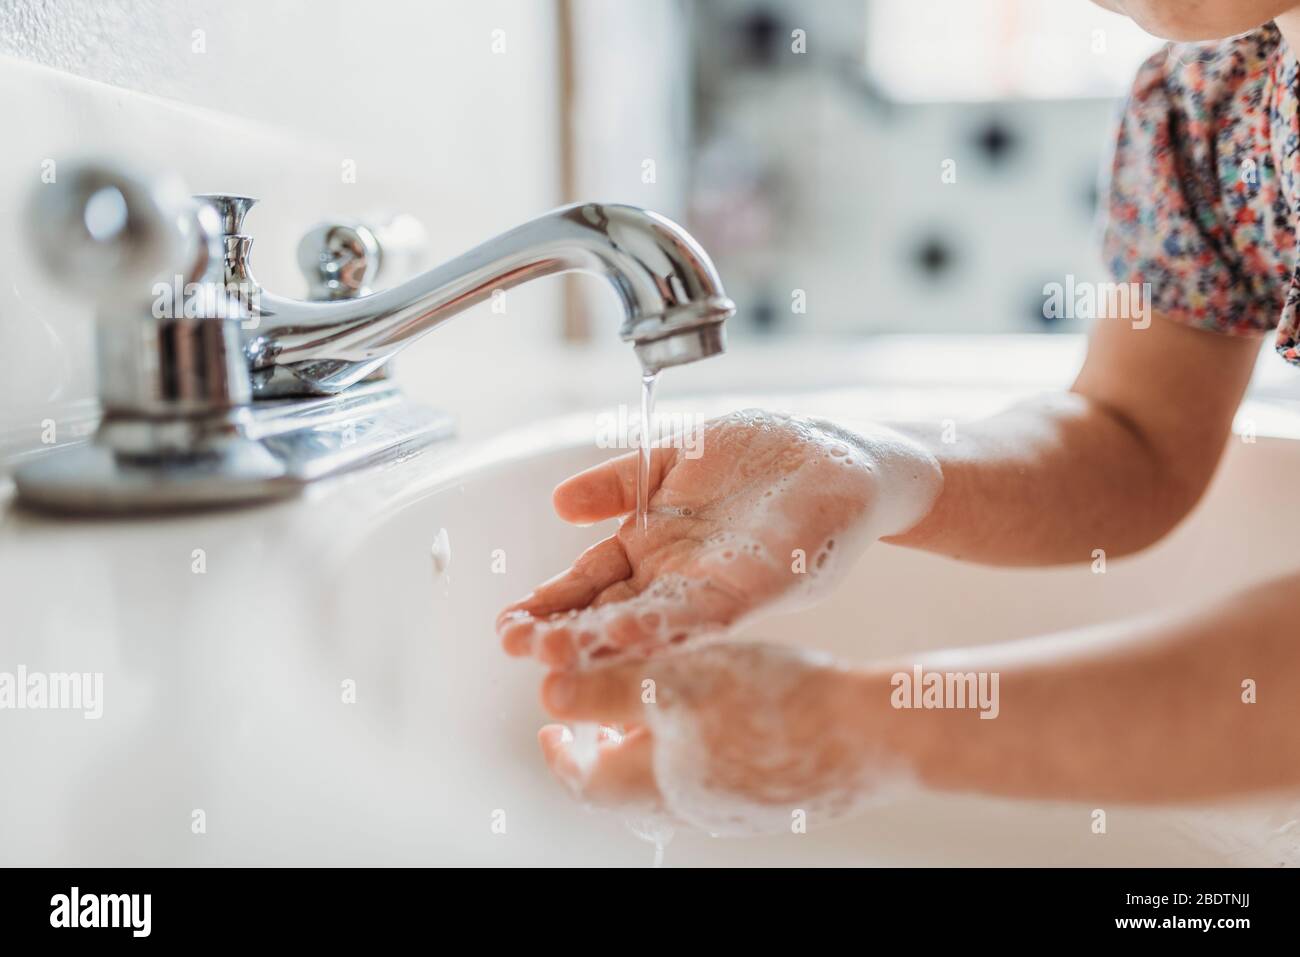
(583, 749)
(778, 765)
(899, 477)
(661, 615)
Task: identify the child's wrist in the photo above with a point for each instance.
(920, 745)
(908, 477)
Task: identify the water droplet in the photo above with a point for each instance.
(441, 552)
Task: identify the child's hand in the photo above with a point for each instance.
(768, 505)
(732, 738)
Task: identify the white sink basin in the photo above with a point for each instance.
(223, 691)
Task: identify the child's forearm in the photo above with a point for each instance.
(1112, 464)
(1160, 710)
(1045, 482)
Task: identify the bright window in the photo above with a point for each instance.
(944, 50)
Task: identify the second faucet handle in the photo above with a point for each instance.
(343, 259)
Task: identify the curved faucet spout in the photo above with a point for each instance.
(673, 304)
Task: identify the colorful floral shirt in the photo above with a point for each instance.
(1205, 186)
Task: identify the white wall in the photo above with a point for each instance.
(269, 99)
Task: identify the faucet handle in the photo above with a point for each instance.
(343, 259)
(339, 260)
(110, 233)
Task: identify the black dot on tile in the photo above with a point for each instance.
(996, 141)
(934, 256)
(1090, 196)
(763, 314)
(760, 34)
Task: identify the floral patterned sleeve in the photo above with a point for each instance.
(1203, 184)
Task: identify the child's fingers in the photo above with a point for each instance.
(596, 569)
(520, 626)
(622, 773)
(641, 621)
(649, 623)
(517, 635)
(609, 489)
(610, 694)
(556, 647)
(615, 618)
(550, 642)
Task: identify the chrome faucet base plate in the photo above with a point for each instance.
(282, 446)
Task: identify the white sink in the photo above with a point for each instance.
(223, 691)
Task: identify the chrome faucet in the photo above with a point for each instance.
(671, 299)
(214, 390)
